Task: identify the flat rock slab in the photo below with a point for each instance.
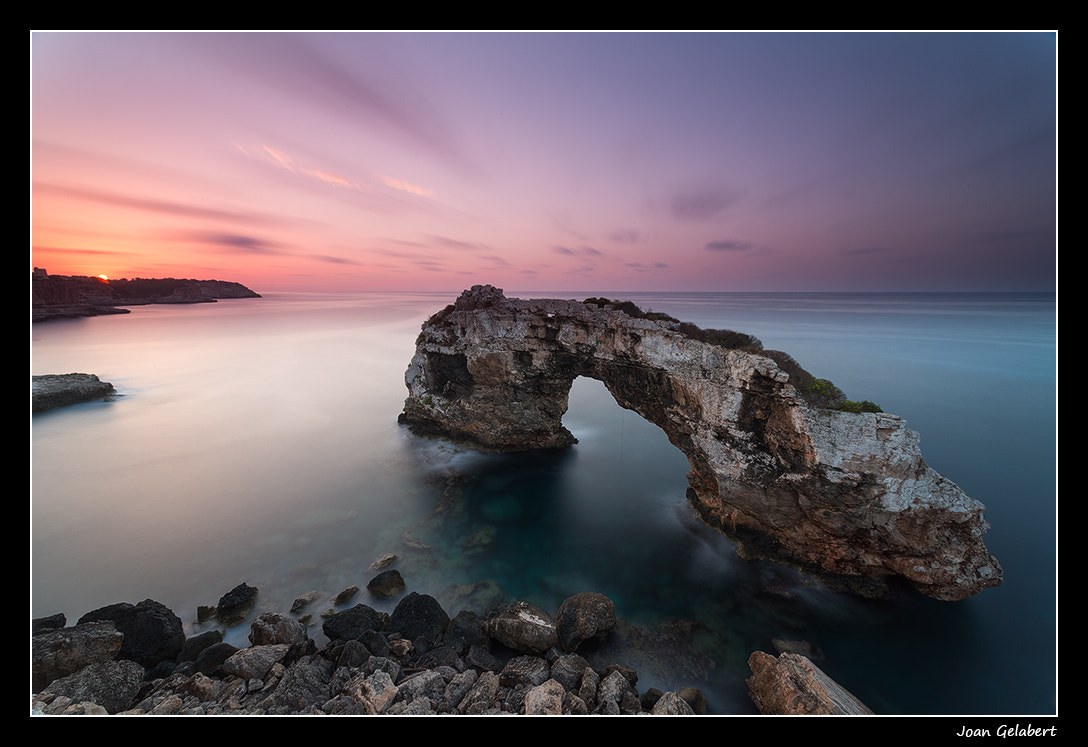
(50, 391)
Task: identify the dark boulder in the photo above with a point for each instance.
(52, 622)
(351, 624)
(152, 632)
(63, 651)
(213, 656)
(466, 629)
(235, 604)
(386, 584)
(197, 643)
(584, 617)
(113, 685)
(419, 616)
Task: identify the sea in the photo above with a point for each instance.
(256, 441)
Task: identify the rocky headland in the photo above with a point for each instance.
(135, 659)
(70, 296)
(50, 391)
(781, 462)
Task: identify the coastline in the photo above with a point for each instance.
(518, 659)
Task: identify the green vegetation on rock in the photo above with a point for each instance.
(819, 393)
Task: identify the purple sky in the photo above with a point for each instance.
(553, 161)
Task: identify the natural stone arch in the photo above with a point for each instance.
(844, 495)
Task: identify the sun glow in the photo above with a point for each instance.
(102, 277)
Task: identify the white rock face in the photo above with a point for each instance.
(840, 494)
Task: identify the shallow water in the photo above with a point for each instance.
(256, 440)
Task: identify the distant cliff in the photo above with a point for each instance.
(65, 296)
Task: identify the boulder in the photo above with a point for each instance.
(197, 643)
(419, 616)
(60, 652)
(235, 604)
(671, 704)
(255, 662)
(465, 630)
(545, 699)
(583, 617)
(213, 656)
(112, 685)
(522, 627)
(353, 623)
(275, 627)
(386, 584)
(152, 632)
(791, 685)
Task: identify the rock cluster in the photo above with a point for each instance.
(845, 496)
(416, 660)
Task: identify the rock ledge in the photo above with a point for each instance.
(50, 391)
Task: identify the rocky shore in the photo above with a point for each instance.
(50, 391)
(127, 659)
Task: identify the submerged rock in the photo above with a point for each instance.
(845, 496)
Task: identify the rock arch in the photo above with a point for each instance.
(846, 496)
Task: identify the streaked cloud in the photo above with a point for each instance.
(405, 186)
(867, 250)
(701, 203)
(237, 243)
(168, 207)
(581, 251)
(730, 246)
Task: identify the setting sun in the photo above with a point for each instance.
(103, 277)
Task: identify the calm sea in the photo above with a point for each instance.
(257, 440)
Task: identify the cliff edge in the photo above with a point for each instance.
(68, 296)
(843, 495)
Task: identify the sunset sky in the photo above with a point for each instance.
(548, 161)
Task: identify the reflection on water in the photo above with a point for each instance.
(256, 440)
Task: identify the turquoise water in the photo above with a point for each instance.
(256, 440)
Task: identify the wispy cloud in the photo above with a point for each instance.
(180, 209)
(867, 250)
(281, 158)
(405, 186)
(333, 260)
(237, 243)
(581, 251)
(307, 69)
(701, 203)
(640, 267)
(626, 236)
(730, 246)
(449, 243)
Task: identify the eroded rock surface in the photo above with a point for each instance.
(50, 391)
(791, 685)
(840, 494)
